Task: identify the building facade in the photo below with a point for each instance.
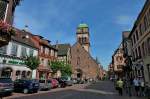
(12, 56)
(83, 65)
(127, 53)
(118, 62)
(64, 53)
(46, 53)
(140, 38)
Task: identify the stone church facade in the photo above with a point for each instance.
(84, 66)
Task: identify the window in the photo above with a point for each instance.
(14, 49)
(148, 68)
(23, 52)
(139, 50)
(119, 66)
(85, 30)
(134, 39)
(145, 23)
(78, 61)
(143, 49)
(148, 45)
(140, 28)
(3, 6)
(3, 50)
(31, 52)
(136, 53)
(137, 36)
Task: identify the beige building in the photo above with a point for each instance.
(140, 37)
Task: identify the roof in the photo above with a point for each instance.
(63, 49)
(82, 25)
(20, 37)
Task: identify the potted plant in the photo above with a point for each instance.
(6, 31)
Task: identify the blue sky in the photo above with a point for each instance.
(58, 19)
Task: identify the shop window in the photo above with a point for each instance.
(148, 68)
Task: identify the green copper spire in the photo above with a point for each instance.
(83, 25)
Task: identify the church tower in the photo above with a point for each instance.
(83, 36)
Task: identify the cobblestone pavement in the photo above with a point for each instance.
(99, 90)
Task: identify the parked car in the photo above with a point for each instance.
(54, 83)
(26, 86)
(45, 84)
(62, 83)
(68, 80)
(74, 80)
(6, 86)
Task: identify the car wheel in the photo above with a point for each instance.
(25, 91)
(36, 91)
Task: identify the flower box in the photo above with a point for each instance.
(6, 31)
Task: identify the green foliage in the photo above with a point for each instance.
(65, 69)
(32, 62)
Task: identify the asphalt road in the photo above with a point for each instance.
(99, 90)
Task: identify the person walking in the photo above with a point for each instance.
(142, 87)
(136, 86)
(120, 87)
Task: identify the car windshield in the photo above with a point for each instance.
(41, 81)
(5, 80)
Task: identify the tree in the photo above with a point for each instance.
(65, 69)
(32, 62)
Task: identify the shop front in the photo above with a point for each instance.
(147, 70)
(43, 73)
(13, 68)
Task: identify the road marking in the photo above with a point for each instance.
(96, 91)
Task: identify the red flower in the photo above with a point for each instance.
(4, 27)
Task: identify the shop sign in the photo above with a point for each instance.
(16, 62)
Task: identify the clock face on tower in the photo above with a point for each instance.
(119, 59)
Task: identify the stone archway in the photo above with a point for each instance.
(79, 73)
(7, 72)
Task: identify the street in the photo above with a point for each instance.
(99, 90)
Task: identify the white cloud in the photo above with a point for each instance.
(125, 20)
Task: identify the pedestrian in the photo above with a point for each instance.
(136, 86)
(120, 87)
(142, 87)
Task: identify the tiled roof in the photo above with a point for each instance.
(21, 37)
(63, 49)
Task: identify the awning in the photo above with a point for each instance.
(14, 67)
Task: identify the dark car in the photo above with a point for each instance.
(6, 86)
(26, 86)
(62, 83)
(68, 80)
